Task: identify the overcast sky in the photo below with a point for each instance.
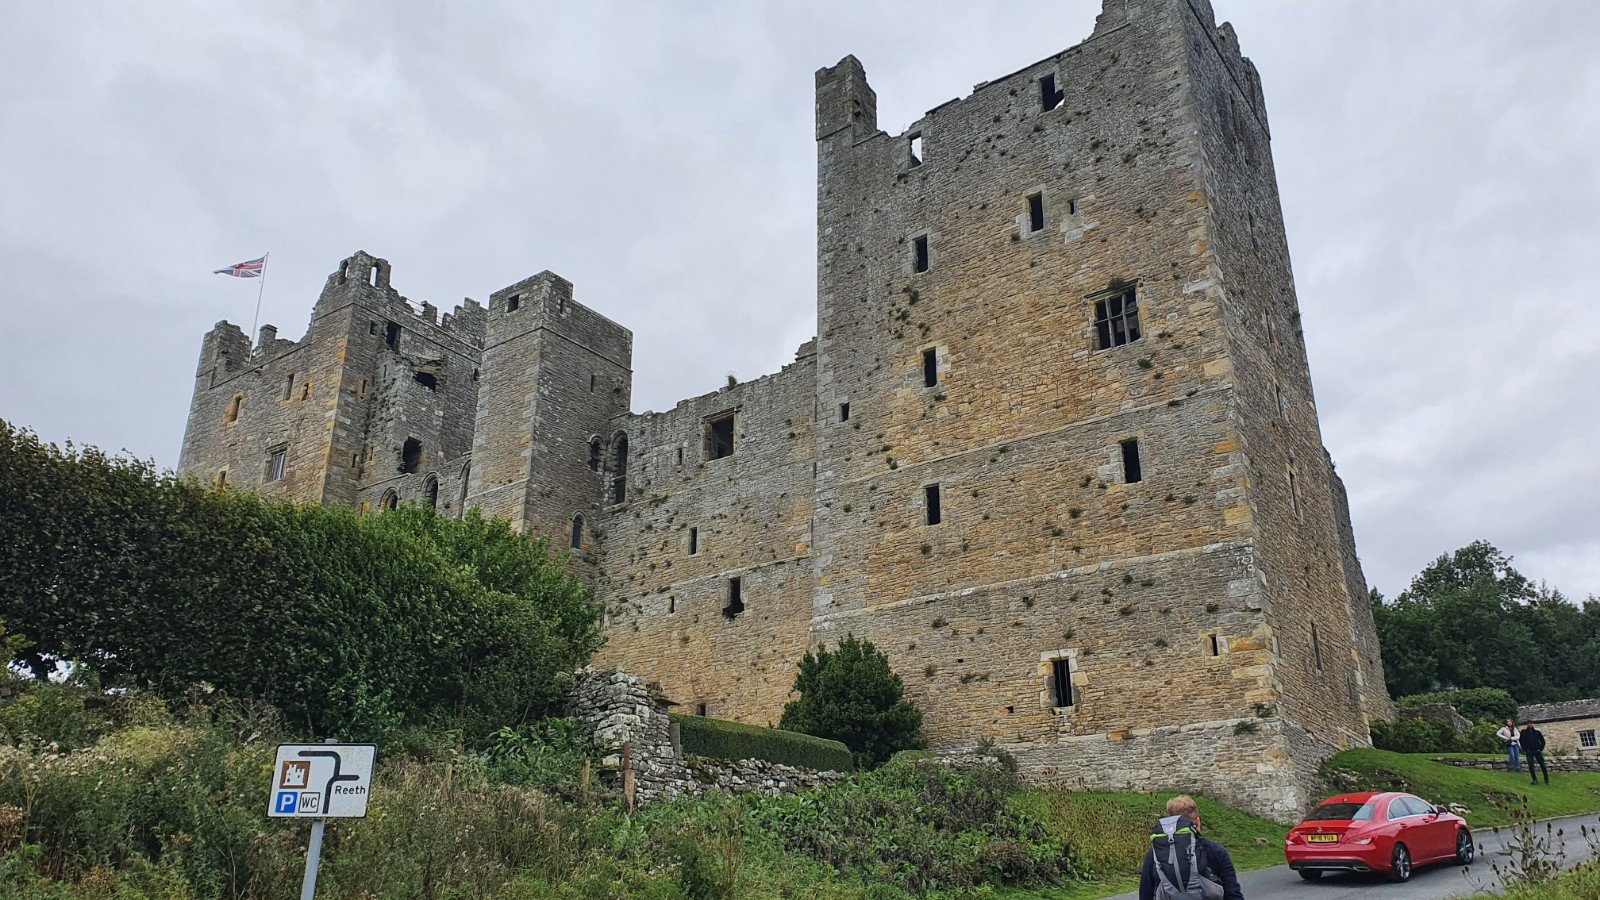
(1437, 160)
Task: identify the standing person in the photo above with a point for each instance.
(1182, 864)
(1532, 741)
(1508, 735)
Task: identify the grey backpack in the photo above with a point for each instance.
(1180, 875)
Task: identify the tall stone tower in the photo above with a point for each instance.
(1069, 470)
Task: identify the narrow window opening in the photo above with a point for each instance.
(1049, 96)
(919, 254)
(915, 146)
(374, 274)
(234, 406)
(277, 461)
(344, 271)
(1116, 320)
(1072, 207)
(1216, 646)
(1283, 408)
(931, 494)
(474, 376)
(466, 484)
(594, 382)
(1316, 646)
(735, 599)
(700, 709)
(844, 412)
(1061, 683)
(680, 456)
(930, 367)
(288, 387)
(305, 391)
(431, 492)
(672, 605)
(513, 303)
(694, 541)
(427, 380)
(363, 391)
(594, 455)
(411, 456)
(391, 335)
(1131, 470)
(222, 478)
(390, 501)
(1036, 212)
(1294, 493)
(577, 532)
(719, 437)
(619, 471)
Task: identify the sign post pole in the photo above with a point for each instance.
(319, 782)
(308, 887)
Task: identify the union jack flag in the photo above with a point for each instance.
(251, 268)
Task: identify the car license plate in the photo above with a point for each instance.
(1322, 838)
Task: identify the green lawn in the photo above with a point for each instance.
(1493, 798)
(1111, 833)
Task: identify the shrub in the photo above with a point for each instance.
(721, 739)
(351, 625)
(851, 695)
(919, 826)
(1410, 734)
(1473, 704)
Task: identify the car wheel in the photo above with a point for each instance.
(1464, 851)
(1311, 874)
(1400, 864)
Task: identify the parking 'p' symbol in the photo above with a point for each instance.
(287, 800)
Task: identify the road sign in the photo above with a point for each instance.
(317, 781)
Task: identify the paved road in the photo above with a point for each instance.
(1431, 883)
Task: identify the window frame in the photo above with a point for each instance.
(1126, 301)
(277, 463)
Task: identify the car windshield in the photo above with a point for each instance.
(1359, 812)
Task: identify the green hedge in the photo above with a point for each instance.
(721, 739)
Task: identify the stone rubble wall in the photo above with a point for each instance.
(1556, 763)
(627, 711)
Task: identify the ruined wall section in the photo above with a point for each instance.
(667, 593)
(413, 380)
(1318, 670)
(556, 374)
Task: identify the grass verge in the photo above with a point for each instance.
(1491, 798)
(1110, 834)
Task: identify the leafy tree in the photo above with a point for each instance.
(1474, 704)
(351, 625)
(850, 695)
(1471, 620)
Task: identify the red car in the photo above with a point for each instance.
(1389, 833)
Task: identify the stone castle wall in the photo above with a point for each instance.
(1156, 519)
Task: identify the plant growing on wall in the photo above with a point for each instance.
(850, 695)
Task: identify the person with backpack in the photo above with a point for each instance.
(1182, 865)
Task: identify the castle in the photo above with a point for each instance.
(1053, 447)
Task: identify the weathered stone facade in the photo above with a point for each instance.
(1054, 447)
(1570, 727)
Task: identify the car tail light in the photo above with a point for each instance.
(1294, 838)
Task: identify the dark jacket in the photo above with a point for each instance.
(1532, 740)
(1215, 863)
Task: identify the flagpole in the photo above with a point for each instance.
(259, 290)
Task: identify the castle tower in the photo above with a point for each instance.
(1069, 469)
(374, 405)
(555, 374)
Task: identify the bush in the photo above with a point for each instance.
(1473, 704)
(1410, 734)
(920, 826)
(720, 739)
(352, 625)
(852, 696)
